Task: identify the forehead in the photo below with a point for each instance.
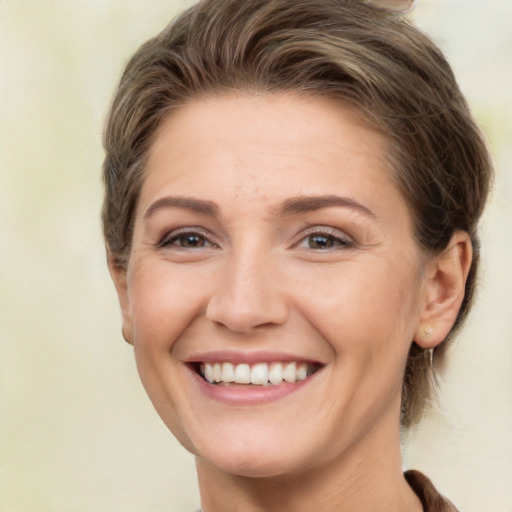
(292, 116)
(267, 147)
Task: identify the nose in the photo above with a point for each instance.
(248, 294)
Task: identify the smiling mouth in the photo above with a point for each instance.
(259, 374)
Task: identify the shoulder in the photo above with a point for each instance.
(431, 500)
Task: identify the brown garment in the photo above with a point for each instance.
(431, 500)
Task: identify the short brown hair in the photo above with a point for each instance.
(393, 73)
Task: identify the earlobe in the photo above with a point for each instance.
(443, 290)
(118, 274)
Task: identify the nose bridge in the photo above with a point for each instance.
(247, 293)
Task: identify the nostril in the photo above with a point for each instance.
(247, 316)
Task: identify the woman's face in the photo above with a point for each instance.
(269, 232)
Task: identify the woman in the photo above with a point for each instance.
(292, 195)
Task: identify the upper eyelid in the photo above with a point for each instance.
(190, 230)
(325, 230)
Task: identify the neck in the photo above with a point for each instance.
(356, 482)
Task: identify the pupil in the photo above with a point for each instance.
(320, 242)
(192, 241)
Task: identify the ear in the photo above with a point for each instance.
(443, 290)
(118, 274)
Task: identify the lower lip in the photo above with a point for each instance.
(245, 394)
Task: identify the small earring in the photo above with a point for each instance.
(428, 332)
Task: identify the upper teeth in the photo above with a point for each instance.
(259, 374)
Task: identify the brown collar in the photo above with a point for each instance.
(431, 500)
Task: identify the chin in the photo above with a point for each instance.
(251, 457)
(254, 465)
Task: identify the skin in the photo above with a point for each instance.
(339, 282)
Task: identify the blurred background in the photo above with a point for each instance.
(77, 433)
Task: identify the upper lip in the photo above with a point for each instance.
(249, 357)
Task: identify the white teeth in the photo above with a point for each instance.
(208, 373)
(243, 374)
(275, 374)
(290, 372)
(228, 372)
(260, 374)
(302, 371)
(217, 372)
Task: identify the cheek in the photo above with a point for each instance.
(378, 299)
(366, 313)
(163, 303)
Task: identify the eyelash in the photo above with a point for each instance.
(175, 236)
(335, 238)
(338, 239)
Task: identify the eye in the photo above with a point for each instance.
(186, 239)
(323, 240)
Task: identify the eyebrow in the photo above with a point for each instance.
(304, 204)
(292, 206)
(188, 203)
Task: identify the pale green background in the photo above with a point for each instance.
(77, 432)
